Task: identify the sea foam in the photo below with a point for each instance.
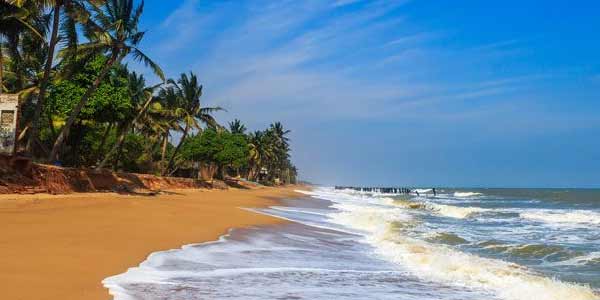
(573, 217)
(442, 263)
(466, 194)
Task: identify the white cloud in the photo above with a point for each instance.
(298, 61)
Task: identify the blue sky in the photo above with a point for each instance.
(428, 93)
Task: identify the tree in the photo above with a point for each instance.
(236, 127)
(110, 102)
(113, 30)
(75, 10)
(185, 95)
(260, 151)
(212, 150)
(141, 97)
(105, 110)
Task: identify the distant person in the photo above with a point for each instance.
(417, 193)
(434, 193)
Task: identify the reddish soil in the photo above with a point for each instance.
(26, 178)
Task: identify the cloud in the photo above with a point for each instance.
(344, 2)
(310, 55)
(318, 66)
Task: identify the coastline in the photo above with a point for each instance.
(63, 246)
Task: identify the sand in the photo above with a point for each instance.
(62, 247)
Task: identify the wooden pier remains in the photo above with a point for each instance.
(382, 190)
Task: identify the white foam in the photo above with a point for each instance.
(589, 258)
(466, 194)
(572, 217)
(441, 263)
(457, 212)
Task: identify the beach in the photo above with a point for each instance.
(63, 246)
(460, 244)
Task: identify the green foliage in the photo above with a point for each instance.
(123, 124)
(134, 156)
(111, 101)
(235, 150)
(236, 127)
(221, 148)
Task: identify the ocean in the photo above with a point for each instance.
(513, 244)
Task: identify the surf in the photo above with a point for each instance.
(439, 262)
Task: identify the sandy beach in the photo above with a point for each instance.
(63, 246)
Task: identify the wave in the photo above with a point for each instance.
(509, 281)
(445, 264)
(590, 259)
(573, 217)
(541, 251)
(447, 238)
(457, 212)
(466, 194)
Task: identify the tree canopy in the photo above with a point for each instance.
(82, 106)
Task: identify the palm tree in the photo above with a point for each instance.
(23, 26)
(18, 21)
(168, 120)
(280, 148)
(75, 10)
(113, 30)
(141, 97)
(189, 112)
(280, 133)
(260, 151)
(236, 127)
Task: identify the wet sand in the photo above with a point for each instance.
(62, 247)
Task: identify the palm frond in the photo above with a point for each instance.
(141, 57)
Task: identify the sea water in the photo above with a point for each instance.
(512, 244)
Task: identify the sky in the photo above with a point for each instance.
(405, 93)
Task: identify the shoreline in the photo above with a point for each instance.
(64, 246)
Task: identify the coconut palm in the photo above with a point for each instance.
(236, 127)
(113, 29)
(9, 31)
(23, 27)
(280, 134)
(280, 144)
(19, 22)
(141, 98)
(75, 11)
(260, 152)
(186, 93)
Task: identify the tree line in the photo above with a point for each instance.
(82, 106)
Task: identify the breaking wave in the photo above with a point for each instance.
(466, 194)
(573, 217)
(438, 262)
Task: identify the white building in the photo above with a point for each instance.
(8, 121)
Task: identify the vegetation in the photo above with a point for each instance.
(81, 105)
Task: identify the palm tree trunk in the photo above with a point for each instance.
(119, 143)
(172, 159)
(114, 149)
(165, 142)
(120, 149)
(44, 83)
(252, 173)
(105, 137)
(51, 125)
(163, 154)
(65, 130)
